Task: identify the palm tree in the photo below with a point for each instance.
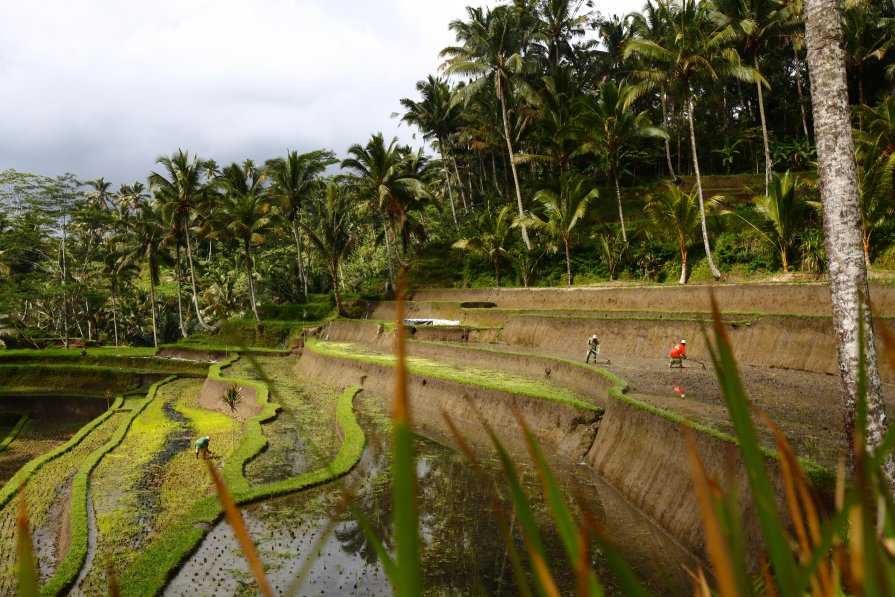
(655, 24)
(146, 238)
(489, 239)
(612, 130)
(559, 23)
(561, 212)
(867, 36)
(178, 193)
(492, 47)
(784, 209)
(754, 23)
(436, 116)
(243, 215)
(691, 55)
(293, 179)
(675, 215)
(385, 180)
(850, 292)
(232, 397)
(331, 230)
(100, 194)
(876, 166)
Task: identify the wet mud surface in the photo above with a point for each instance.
(463, 551)
(807, 406)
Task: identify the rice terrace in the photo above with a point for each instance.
(602, 305)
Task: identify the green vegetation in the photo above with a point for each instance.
(485, 378)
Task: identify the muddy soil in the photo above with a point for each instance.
(36, 438)
(807, 406)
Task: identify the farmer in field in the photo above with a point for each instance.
(202, 446)
(593, 348)
(678, 354)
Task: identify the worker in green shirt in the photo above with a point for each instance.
(202, 446)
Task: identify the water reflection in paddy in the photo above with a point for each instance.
(463, 550)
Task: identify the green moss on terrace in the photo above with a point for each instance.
(139, 364)
(707, 320)
(13, 432)
(573, 312)
(819, 475)
(205, 346)
(67, 571)
(474, 376)
(72, 353)
(150, 572)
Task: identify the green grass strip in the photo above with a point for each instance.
(67, 571)
(149, 574)
(476, 376)
(253, 440)
(13, 432)
(210, 347)
(11, 488)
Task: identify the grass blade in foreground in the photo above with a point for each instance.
(404, 490)
(781, 557)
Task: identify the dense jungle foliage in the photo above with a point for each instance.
(565, 146)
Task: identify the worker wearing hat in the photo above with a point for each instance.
(593, 348)
(678, 354)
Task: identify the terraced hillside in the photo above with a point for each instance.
(117, 486)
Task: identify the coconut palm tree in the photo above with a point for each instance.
(559, 23)
(876, 166)
(146, 239)
(655, 24)
(100, 194)
(692, 55)
(330, 226)
(244, 215)
(753, 23)
(559, 212)
(437, 117)
(491, 53)
(384, 179)
(675, 217)
(490, 238)
(611, 131)
(293, 178)
(784, 209)
(178, 191)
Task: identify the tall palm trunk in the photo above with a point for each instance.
(178, 275)
(251, 280)
(565, 241)
(798, 68)
(764, 134)
(152, 307)
(683, 279)
(618, 196)
(334, 274)
(447, 180)
(705, 234)
(850, 292)
(301, 268)
(667, 125)
(388, 254)
(506, 132)
(460, 185)
(189, 258)
(114, 313)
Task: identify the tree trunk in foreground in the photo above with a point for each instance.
(842, 218)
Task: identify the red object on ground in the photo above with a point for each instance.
(679, 390)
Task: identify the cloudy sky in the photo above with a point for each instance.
(102, 87)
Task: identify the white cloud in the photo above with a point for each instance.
(100, 88)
